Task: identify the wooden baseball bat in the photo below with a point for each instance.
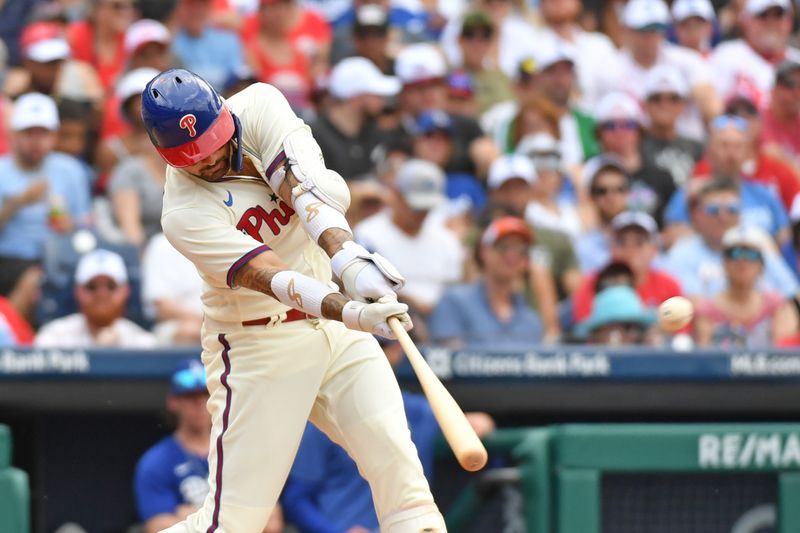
(463, 440)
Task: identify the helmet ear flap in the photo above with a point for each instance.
(237, 133)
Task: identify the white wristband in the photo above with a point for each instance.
(317, 216)
(350, 250)
(351, 312)
(300, 291)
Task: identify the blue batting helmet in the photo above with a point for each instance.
(186, 119)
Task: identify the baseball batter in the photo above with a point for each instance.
(249, 201)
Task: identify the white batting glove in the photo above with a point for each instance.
(366, 277)
(373, 317)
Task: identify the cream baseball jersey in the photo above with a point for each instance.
(220, 226)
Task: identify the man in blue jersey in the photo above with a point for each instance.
(326, 494)
(171, 477)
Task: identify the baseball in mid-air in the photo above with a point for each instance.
(675, 313)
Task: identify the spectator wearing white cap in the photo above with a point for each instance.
(665, 94)
(213, 53)
(619, 130)
(41, 192)
(645, 47)
(419, 244)
(346, 129)
(48, 68)
(594, 53)
(694, 24)
(746, 66)
(742, 315)
(136, 182)
(634, 242)
(147, 45)
(102, 292)
(607, 185)
(422, 71)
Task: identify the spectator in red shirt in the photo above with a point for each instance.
(758, 166)
(99, 40)
(633, 243)
(780, 136)
(290, 47)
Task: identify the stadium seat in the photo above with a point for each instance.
(59, 262)
(14, 490)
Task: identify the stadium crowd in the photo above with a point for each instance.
(541, 171)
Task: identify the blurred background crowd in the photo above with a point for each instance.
(541, 171)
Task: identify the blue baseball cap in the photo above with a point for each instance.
(189, 378)
(430, 121)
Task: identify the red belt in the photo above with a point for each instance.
(291, 316)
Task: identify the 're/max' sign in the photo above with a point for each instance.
(732, 451)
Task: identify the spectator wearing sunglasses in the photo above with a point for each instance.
(633, 243)
(619, 129)
(618, 318)
(761, 165)
(728, 153)
(781, 132)
(170, 481)
(696, 260)
(370, 35)
(607, 185)
(102, 292)
(492, 85)
(742, 315)
(747, 65)
(665, 99)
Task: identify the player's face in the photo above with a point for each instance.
(214, 167)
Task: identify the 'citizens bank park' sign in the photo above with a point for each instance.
(733, 451)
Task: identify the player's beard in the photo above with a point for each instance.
(219, 168)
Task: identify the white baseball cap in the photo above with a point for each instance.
(101, 263)
(635, 219)
(44, 42)
(645, 14)
(551, 51)
(756, 7)
(34, 110)
(134, 82)
(618, 106)
(358, 75)
(145, 31)
(684, 9)
(749, 236)
(421, 183)
(665, 79)
(511, 166)
(419, 62)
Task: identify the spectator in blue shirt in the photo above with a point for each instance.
(171, 479)
(216, 55)
(41, 192)
(326, 494)
(696, 260)
(491, 313)
(727, 153)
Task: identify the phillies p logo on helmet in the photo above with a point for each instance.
(187, 122)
